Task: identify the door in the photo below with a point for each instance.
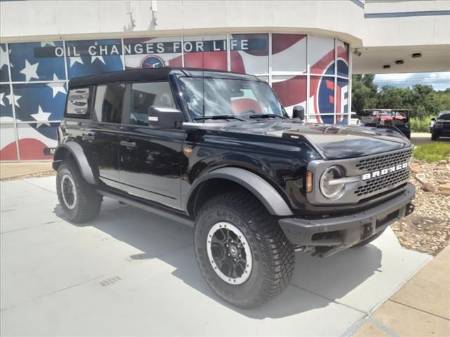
(104, 134)
(151, 159)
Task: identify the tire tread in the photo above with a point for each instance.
(278, 253)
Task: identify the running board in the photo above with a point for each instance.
(165, 214)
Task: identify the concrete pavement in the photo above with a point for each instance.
(420, 308)
(134, 273)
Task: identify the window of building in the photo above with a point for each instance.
(109, 102)
(146, 98)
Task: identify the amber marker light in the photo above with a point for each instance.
(309, 181)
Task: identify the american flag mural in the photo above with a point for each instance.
(289, 69)
(34, 76)
(152, 52)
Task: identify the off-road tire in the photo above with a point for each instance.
(368, 240)
(272, 254)
(87, 202)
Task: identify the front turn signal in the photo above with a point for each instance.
(309, 181)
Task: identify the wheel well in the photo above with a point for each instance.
(211, 188)
(60, 156)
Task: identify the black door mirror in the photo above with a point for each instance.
(166, 118)
(298, 112)
(433, 119)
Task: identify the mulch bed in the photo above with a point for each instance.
(428, 228)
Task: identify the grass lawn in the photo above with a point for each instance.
(432, 152)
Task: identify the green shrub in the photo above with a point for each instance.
(432, 152)
(420, 124)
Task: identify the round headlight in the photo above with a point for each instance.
(328, 185)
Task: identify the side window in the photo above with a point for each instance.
(146, 98)
(78, 103)
(109, 102)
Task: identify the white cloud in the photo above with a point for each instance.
(439, 81)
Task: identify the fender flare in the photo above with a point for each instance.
(80, 158)
(258, 186)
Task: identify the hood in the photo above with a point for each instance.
(331, 141)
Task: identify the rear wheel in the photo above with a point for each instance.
(243, 254)
(79, 200)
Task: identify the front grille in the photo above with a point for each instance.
(383, 182)
(379, 183)
(384, 161)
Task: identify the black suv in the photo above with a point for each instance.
(218, 150)
(440, 125)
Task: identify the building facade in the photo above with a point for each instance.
(303, 49)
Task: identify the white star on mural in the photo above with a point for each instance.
(30, 71)
(1, 98)
(74, 60)
(41, 117)
(14, 98)
(50, 43)
(57, 87)
(96, 57)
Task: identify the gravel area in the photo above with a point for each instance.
(428, 228)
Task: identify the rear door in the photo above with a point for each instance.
(104, 135)
(151, 158)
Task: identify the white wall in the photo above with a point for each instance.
(35, 20)
(417, 30)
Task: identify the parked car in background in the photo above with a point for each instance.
(387, 118)
(440, 125)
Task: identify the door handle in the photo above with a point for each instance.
(127, 144)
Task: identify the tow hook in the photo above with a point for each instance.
(409, 209)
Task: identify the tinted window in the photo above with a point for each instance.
(78, 103)
(146, 98)
(109, 102)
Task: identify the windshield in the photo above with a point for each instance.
(234, 98)
(445, 117)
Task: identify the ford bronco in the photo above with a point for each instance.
(217, 150)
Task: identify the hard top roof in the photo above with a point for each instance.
(443, 113)
(151, 74)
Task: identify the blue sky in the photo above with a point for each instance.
(439, 81)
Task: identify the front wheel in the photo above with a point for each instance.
(79, 200)
(242, 252)
(434, 136)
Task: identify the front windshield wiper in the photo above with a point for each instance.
(266, 116)
(218, 117)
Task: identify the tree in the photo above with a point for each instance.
(421, 99)
(363, 92)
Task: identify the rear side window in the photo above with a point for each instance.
(109, 102)
(146, 98)
(78, 103)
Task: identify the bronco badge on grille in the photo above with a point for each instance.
(384, 171)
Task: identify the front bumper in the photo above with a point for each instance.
(328, 236)
(445, 132)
